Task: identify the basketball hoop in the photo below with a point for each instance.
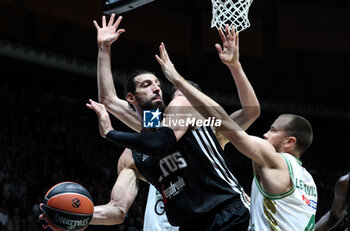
(231, 13)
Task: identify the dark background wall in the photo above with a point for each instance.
(295, 53)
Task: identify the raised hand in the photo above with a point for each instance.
(229, 52)
(104, 121)
(166, 64)
(108, 33)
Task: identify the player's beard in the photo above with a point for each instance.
(150, 105)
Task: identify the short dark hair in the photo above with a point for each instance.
(131, 84)
(174, 88)
(301, 129)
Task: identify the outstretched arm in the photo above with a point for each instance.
(338, 209)
(257, 149)
(275, 175)
(229, 55)
(106, 35)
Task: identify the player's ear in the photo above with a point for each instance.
(130, 98)
(291, 141)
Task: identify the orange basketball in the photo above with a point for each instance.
(68, 206)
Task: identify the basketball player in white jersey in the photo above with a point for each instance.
(284, 195)
(155, 216)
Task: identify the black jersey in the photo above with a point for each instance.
(193, 178)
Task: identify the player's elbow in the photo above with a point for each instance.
(252, 112)
(108, 214)
(122, 214)
(117, 213)
(256, 111)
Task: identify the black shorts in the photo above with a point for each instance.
(232, 217)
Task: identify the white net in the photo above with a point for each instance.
(231, 12)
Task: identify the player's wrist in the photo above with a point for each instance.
(234, 65)
(106, 131)
(176, 78)
(104, 46)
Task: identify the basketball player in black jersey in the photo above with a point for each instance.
(184, 163)
(340, 206)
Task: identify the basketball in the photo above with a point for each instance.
(68, 206)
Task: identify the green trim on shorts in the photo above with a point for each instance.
(282, 195)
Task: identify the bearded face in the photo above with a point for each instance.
(148, 94)
(150, 104)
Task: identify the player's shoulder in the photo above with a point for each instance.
(180, 109)
(179, 106)
(179, 101)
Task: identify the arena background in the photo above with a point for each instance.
(296, 55)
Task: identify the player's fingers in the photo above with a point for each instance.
(93, 102)
(165, 52)
(218, 48)
(96, 25)
(42, 219)
(111, 20)
(88, 105)
(120, 31)
(160, 61)
(222, 35)
(233, 31)
(227, 29)
(237, 39)
(116, 24)
(161, 51)
(97, 106)
(103, 21)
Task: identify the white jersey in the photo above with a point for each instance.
(155, 218)
(291, 211)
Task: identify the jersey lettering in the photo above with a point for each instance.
(310, 190)
(172, 163)
(159, 207)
